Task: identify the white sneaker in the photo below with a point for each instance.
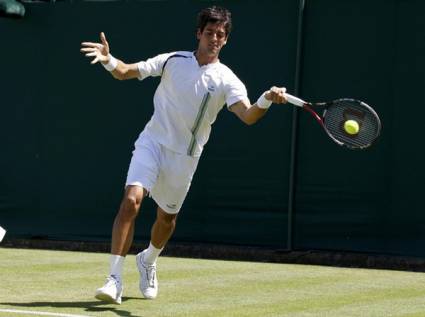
(111, 291)
(148, 282)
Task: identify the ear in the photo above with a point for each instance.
(225, 41)
(198, 34)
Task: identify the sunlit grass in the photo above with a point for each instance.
(64, 283)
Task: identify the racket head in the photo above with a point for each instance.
(337, 112)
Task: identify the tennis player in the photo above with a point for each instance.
(194, 87)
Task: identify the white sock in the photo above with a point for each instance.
(116, 265)
(151, 254)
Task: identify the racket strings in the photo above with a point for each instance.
(347, 109)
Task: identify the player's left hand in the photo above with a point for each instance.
(98, 51)
(276, 95)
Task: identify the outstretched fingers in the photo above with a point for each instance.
(105, 43)
(91, 54)
(99, 51)
(103, 39)
(91, 44)
(88, 49)
(95, 60)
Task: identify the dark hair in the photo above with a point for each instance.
(215, 15)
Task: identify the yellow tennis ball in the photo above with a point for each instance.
(351, 127)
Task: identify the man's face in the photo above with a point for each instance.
(212, 38)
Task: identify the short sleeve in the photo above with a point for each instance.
(234, 89)
(152, 66)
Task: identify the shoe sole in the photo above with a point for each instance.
(139, 263)
(107, 298)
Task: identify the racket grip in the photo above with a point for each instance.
(295, 100)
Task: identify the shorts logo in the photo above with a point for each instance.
(172, 206)
(211, 88)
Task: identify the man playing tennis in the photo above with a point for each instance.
(194, 87)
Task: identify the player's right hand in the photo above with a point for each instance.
(276, 95)
(100, 51)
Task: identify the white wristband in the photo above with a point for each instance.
(111, 64)
(263, 103)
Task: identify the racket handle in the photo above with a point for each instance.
(295, 100)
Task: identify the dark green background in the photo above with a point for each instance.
(67, 128)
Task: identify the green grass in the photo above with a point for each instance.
(64, 283)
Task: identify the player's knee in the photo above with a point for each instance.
(167, 221)
(130, 206)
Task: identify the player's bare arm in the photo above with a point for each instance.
(100, 53)
(250, 114)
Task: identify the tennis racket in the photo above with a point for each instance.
(348, 122)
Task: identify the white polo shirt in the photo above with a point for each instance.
(188, 99)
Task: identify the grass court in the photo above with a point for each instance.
(62, 283)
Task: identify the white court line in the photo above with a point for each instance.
(39, 313)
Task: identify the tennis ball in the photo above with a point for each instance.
(351, 127)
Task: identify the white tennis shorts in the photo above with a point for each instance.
(167, 175)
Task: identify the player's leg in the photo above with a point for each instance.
(122, 238)
(142, 174)
(161, 232)
(169, 192)
(123, 228)
(162, 228)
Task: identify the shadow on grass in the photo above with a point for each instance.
(89, 306)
